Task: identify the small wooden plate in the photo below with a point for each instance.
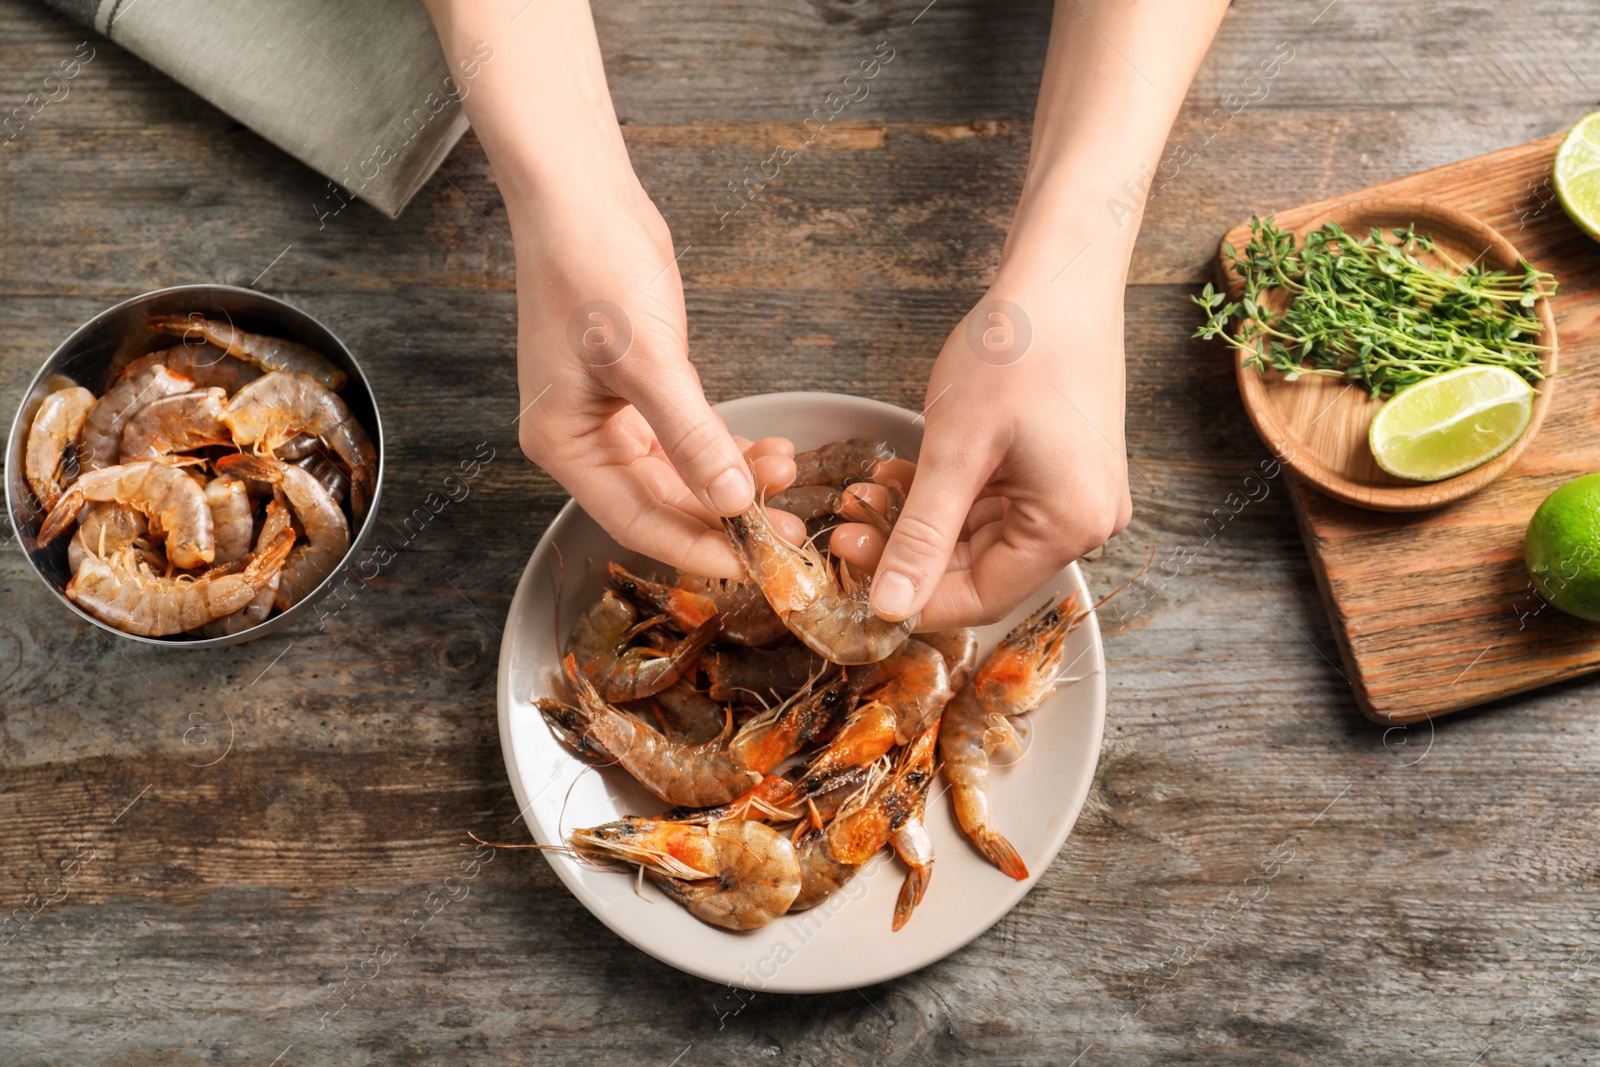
(1318, 425)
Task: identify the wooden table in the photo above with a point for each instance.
(1259, 875)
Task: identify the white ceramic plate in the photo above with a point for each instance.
(846, 942)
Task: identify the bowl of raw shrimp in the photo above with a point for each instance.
(195, 466)
(757, 800)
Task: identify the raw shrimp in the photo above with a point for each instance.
(738, 672)
(327, 533)
(773, 736)
(842, 463)
(832, 615)
(172, 501)
(260, 606)
(297, 448)
(745, 617)
(120, 592)
(690, 776)
(102, 431)
(820, 505)
(232, 517)
(913, 680)
(1015, 678)
(54, 433)
(275, 407)
(329, 474)
(107, 528)
(960, 651)
(687, 610)
(600, 641)
(830, 857)
(268, 353)
(206, 365)
(176, 423)
(730, 873)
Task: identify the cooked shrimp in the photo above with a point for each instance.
(206, 365)
(102, 430)
(232, 517)
(52, 435)
(842, 463)
(960, 651)
(911, 840)
(690, 776)
(260, 606)
(730, 873)
(176, 423)
(107, 528)
(1016, 677)
(172, 501)
(327, 533)
(121, 592)
(913, 680)
(740, 672)
(275, 407)
(600, 641)
(830, 857)
(268, 353)
(832, 615)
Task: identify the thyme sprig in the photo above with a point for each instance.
(1368, 310)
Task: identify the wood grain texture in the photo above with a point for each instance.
(1259, 875)
(1434, 611)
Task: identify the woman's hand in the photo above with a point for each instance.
(1022, 467)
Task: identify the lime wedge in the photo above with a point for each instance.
(1445, 426)
(1577, 174)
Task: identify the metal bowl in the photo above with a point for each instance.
(108, 341)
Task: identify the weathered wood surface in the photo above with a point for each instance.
(1431, 895)
(1433, 611)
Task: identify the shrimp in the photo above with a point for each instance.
(913, 680)
(328, 473)
(1016, 677)
(268, 353)
(911, 840)
(176, 423)
(842, 463)
(260, 606)
(53, 434)
(172, 501)
(600, 642)
(271, 410)
(107, 528)
(232, 517)
(832, 615)
(689, 714)
(960, 651)
(730, 873)
(118, 591)
(745, 617)
(206, 365)
(737, 671)
(327, 532)
(689, 776)
(102, 430)
(831, 856)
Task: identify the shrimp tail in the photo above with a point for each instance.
(252, 468)
(912, 891)
(998, 851)
(693, 644)
(269, 561)
(61, 516)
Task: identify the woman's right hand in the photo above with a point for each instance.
(610, 404)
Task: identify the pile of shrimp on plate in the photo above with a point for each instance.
(179, 528)
(794, 732)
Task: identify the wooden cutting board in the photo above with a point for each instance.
(1432, 610)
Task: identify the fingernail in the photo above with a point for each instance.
(892, 593)
(731, 491)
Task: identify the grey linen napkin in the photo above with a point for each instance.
(358, 91)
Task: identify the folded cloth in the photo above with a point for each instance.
(358, 91)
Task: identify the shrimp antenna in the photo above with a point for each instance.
(1149, 554)
(561, 579)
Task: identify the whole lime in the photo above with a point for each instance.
(1562, 548)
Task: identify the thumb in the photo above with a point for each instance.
(693, 436)
(924, 536)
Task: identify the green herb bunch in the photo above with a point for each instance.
(1369, 311)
